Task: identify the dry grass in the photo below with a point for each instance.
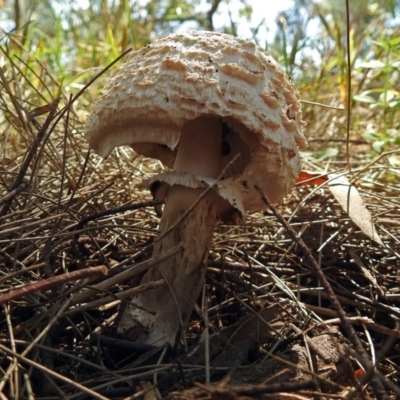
(63, 211)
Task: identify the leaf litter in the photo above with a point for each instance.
(271, 329)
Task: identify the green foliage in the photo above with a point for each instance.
(383, 73)
(60, 43)
(312, 38)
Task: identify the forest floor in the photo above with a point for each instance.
(272, 330)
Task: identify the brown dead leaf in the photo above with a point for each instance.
(350, 200)
(44, 109)
(308, 178)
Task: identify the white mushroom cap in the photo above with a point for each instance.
(184, 76)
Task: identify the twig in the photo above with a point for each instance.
(64, 159)
(126, 378)
(14, 366)
(116, 210)
(125, 275)
(126, 345)
(10, 195)
(206, 334)
(157, 394)
(45, 284)
(129, 293)
(61, 353)
(62, 378)
(347, 326)
(29, 155)
(22, 225)
(104, 70)
(349, 98)
(211, 12)
(314, 103)
(254, 390)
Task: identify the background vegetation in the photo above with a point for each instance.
(69, 42)
(347, 71)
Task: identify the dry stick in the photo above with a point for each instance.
(155, 375)
(27, 384)
(139, 205)
(14, 367)
(104, 70)
(21, 271)
(116, 210)
(124, 379)
(372, 163)
(64, 160)
(349, 99)
(7, 89)
(32, 344)
(23, 226)
(206, 335)
(315, 103)
(61, 353)
(117, 296)
(127, 345)
(10, 195)
(125, 275)
(72, 101)
(52, 282)
(255, 390)
(29, 155)
(76, 385)
(347, 326)
(34, 146)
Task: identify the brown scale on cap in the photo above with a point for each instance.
(185, 76)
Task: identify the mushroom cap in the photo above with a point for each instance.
(184, 76)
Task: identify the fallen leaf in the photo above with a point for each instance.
(44, 109)
(358, 373)
(311, 178)
(350, 200)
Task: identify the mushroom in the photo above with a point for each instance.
(221, 114)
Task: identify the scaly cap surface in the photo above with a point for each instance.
(183, 76)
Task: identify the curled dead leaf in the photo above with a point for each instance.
(351, 201)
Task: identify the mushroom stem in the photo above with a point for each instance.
(199, 153)
(199, 150)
